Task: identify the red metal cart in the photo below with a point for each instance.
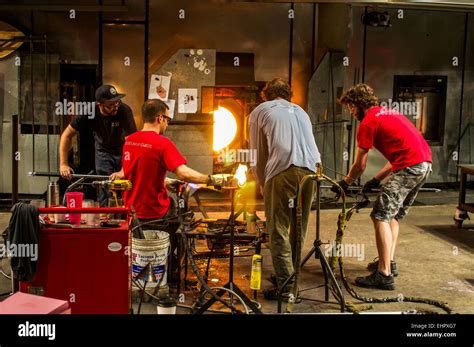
(90, 267)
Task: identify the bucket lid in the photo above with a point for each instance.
(167, 302)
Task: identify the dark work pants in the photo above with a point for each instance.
(280, 211)
(106, 164)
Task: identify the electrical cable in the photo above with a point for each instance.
(138, 285)
(5, 275)
(337, 172)
(234, 294)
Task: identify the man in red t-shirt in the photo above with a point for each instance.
(147, 157)
(408, 165)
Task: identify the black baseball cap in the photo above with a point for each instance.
(107, 92)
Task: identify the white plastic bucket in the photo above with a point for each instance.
(154, 250)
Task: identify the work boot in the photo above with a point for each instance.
(373, 266)
(273, 280)
(376, 280)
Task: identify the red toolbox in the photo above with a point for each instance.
(90, 267)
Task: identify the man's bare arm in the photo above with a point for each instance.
(189, 175)
(64, 147)
(358, 166)
(384, 172)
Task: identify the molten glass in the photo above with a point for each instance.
(241, 174)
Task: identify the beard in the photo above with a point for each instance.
(109, 113)
(359, 113)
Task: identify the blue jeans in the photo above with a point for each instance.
(106, 164)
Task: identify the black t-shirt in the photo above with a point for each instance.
(109, 131)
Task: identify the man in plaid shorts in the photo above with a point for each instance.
(408, 165)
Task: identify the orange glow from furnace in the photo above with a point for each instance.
(225, 128)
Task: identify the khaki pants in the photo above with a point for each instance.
(280, 211)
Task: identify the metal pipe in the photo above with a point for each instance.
(56, 174)
(462, 91)
(32, 102)
(313, 39)
(100, 44)
(290, 58)
(14, 159)
(191, 122)
(146, 48)
(333, 108)
(364, 48)
(46, 101)
(357, 189)
(64, 8)
(118, 22)
(108, 210)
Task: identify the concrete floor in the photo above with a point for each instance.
(434, 259)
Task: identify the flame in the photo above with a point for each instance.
(225, 128)
(241, 174)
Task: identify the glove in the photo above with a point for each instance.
(372, 184)
(344, 185)
(217, 181)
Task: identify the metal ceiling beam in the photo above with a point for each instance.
(61, 8)
(440, 4)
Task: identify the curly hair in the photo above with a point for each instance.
(277, 88)
(361, 95)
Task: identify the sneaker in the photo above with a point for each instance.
(272, 294)
(376, 280)
(373, 266)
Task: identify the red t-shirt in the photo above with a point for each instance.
(393, 135)
(147, 156)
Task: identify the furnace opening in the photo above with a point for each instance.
(225, 128)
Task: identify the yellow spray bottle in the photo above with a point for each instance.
(256, 275)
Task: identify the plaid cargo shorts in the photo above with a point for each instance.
(399, 192)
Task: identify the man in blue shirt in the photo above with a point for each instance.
(281, 134)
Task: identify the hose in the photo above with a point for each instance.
(343, 219)
(234, 294)
(190, 308)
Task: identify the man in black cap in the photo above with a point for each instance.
(111, 122)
